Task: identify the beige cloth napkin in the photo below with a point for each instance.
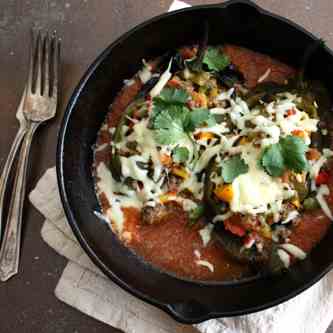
(83, 286)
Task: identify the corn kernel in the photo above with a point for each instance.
(224, 192)
(180, 172)
(296, 203)
(205, 136)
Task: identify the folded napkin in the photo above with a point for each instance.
(83, 286)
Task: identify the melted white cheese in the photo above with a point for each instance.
(222, 217)
(254, 190)
(294, 250)
(145, 73)
(147, 145)
(206, 234)
(206, 156)
(109, 187)
(322, 192)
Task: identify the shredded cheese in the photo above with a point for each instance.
(284, 256)
(165, 77)
(264, 76)
(205, 263)
(294, 250)
(206, 234)
(322, 192)
(290, 217)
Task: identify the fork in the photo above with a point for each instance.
(11, 156)
(40, 104)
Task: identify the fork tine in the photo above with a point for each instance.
(46, 90)
(33, 45)
(39, 60)
(56, 64)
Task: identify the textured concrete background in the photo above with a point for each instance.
(27, 302)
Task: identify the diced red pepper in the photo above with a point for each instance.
(234, 228)
(187, 53)
(322, 178)
(174, 83)
(291, 112)
(299, 133)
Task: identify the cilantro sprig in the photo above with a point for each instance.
(215, 59)
(287, 154)
(172, 120)
(233, 167)
(180, 154)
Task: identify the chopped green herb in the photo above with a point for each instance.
(199, 117)
(288, 153)
(172, 120)
(167, 98)
(195, 214)
(233, 167)
(173, 96)
(215, 59)
(169, 125)
(180, 154)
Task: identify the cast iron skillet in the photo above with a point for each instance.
(238, 22)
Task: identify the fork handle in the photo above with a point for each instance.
(6, 170)
(10, 247)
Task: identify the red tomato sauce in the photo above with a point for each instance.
(171, 245)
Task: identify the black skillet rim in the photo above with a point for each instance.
(71, 216)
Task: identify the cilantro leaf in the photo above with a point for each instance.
(232, 168)
(198, 117)
(167, 98)
(288, 153)
(172, 120)
(169, 125)
(180, 154)
(215, 59)
(294, 153)
(173, 96)
(273, 161)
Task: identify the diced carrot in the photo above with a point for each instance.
(299, 133)
(234, 228)
(313, 154)
(166, 160)
(169, 196)
(199, 99)
(224, 192)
